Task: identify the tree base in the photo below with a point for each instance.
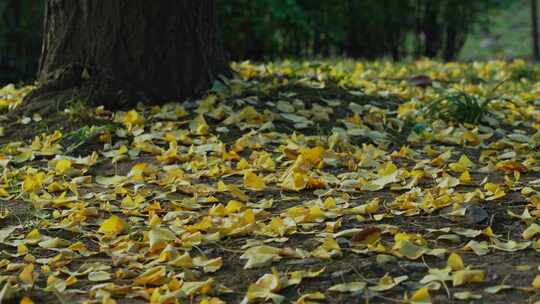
(116, 53)
(69, 84)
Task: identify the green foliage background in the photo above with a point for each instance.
(20, 39)
(355, 28)
(270, 29)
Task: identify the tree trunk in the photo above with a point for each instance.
(534, 29)
(431, 29)
(116, 52)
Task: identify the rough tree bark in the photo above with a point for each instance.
(114, 52)
(534, 30)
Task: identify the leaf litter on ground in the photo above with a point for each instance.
(293, 182)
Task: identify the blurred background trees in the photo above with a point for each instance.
(20, 39)
(271, 29)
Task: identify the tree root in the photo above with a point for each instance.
(55, 96)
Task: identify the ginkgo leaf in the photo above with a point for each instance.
(466, 295)
(328, 249)
(133, 118)
(531, 231)
(387, 282)
(410, 250)
(27, 275)
(462, 165)
(53, 243)
(113, 225)
(348, 287)
(536, 282)
(479, 248)
(421, 296)
(295, 181)
(497, 288)
(26, 300)
(296, 277)
(265, 288)
(7, 292)
(33, 182)
(388, 175)
(153, 276)
(253, 181)
(6, 232)
(110, 181)
(510, 246)
(184, 261)
(99, 276)
(208, 265)
(310, 298)
(259, 256)
(466, 276)
(199, 126)
(159, 237)
(455, 262)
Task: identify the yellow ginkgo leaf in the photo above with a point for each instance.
(462, 165)
(208, 265)
(159, 237)
(33, 237)
(132, 119)
(531, 231)
(536, 282)
(265, 288)
(184, 261)
(465, 276)
(295, 181)
(201, 287)
(296, 277)
(26, 300)
(198, 125)
(113, 225)
(27, 274)
(62, 166)
(310, 298)
(327, 250)
(33, 182)
(421, 296)
(455, 262)
(387, 282)
(409, 249)
(153, 276)
(253, 181)
(259, 256)
(212, 301)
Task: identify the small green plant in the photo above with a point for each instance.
(83, 135)
(463, 107)
(76, 108)
(527, 72)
